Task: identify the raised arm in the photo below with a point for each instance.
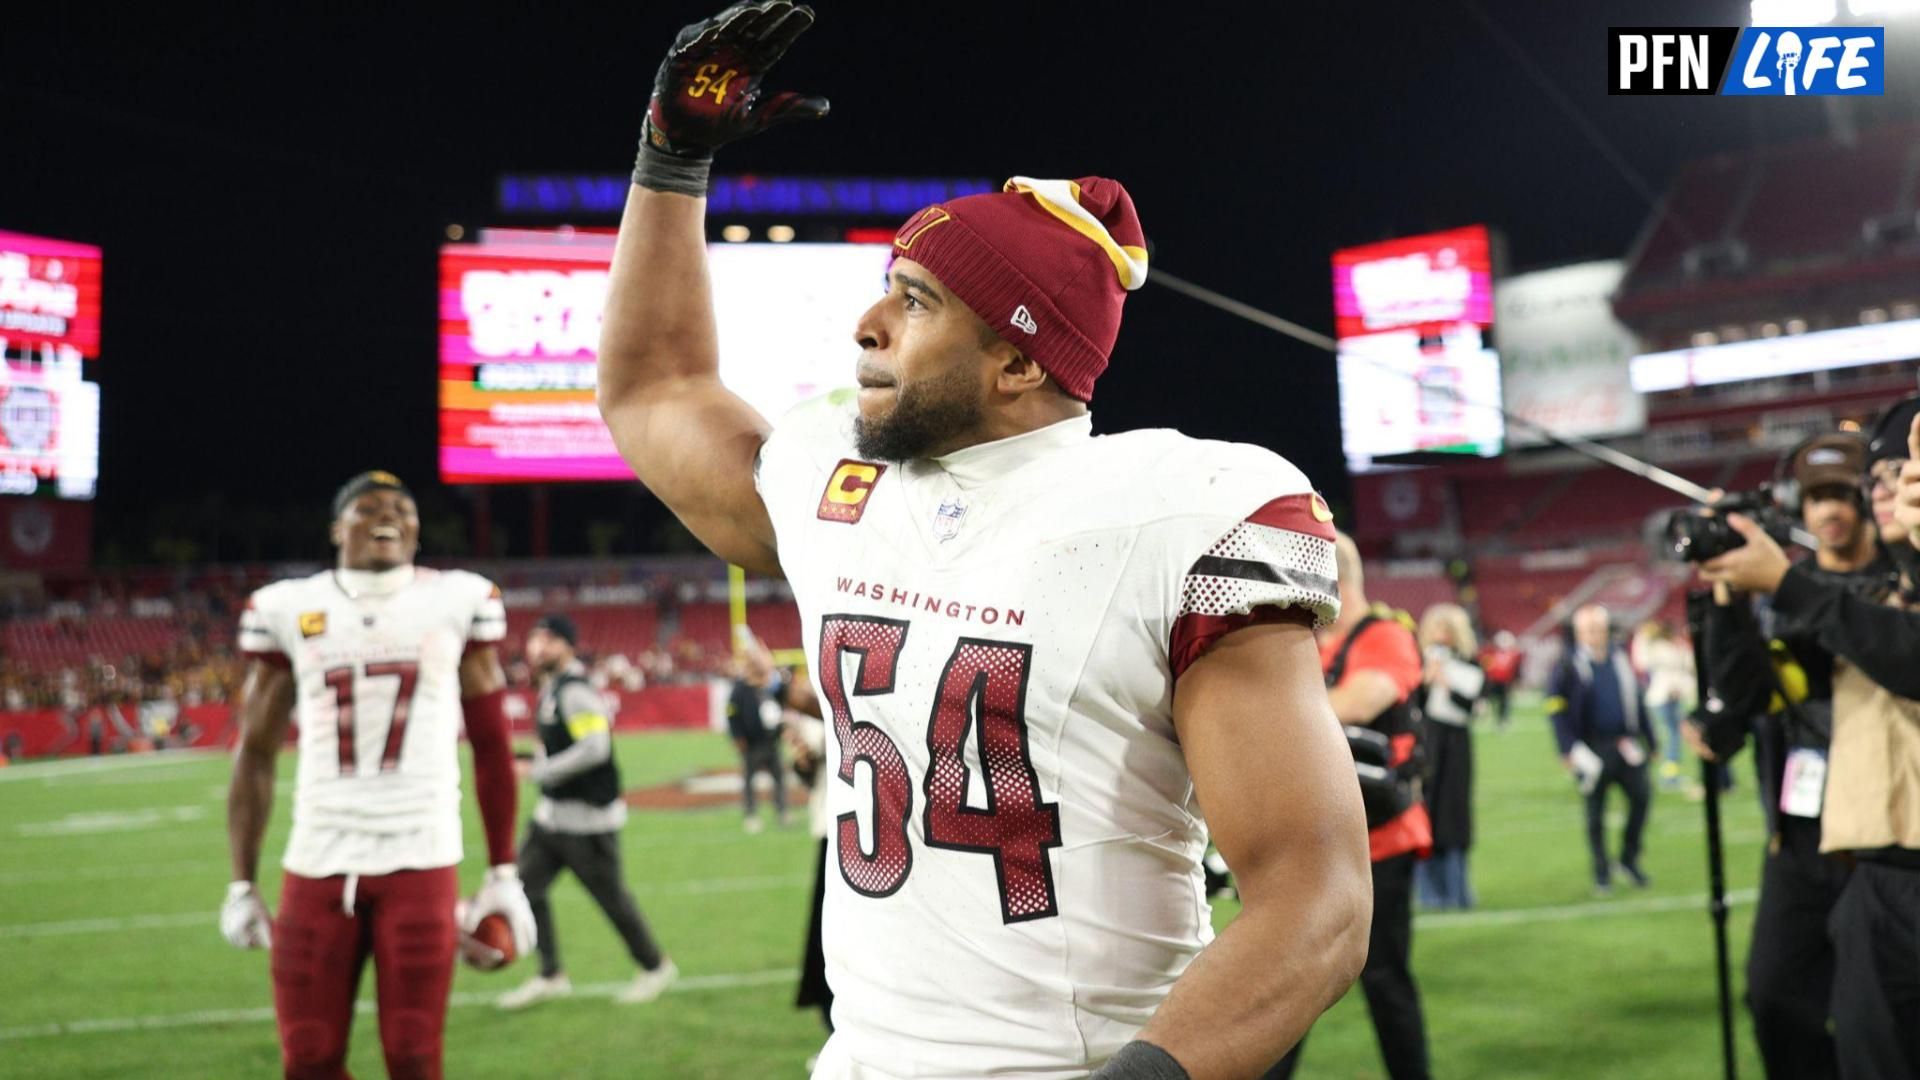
(689, 439)
(693, 442)
(1276, 780)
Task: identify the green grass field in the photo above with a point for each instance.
(111, 964)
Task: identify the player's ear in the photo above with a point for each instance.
(1018, 373)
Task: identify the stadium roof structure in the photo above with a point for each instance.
(1810, 224)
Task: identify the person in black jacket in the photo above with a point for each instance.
(1453, 684)
(1773, 682)
(1601, 724)
(576, 824)
(1867, 787)
(754, 697)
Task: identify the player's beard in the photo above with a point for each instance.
(925, 415)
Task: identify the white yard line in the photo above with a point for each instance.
(90, 822)
(122, 872)
(210, 1017)
(1433, 921)
(211, 867)
(679, 838)
(723, 981)
(210, 919)
(1463, 920)
(725, 885)
(88, 766)
(115, 924)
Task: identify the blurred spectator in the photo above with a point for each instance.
(1454, 683)
(1600, 723)
(1667, 665)
(190, 672)
(1501, 661)
(753, 721)
(160, 716)
(805, 734)
(106, 730)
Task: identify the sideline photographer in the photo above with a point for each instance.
(1776, 684)
(1846, 630)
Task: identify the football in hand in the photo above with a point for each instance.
(489, 947)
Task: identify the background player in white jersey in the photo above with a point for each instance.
(1040, 652)
(379, 663)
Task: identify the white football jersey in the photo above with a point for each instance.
(377, 701)
(1014, 875)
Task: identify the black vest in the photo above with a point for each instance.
(1387, 789)
(1402, 718)
(599, 785)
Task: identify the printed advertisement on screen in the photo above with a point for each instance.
(49, 299)
(1416, 369)
(520, 316)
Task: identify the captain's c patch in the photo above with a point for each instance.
(847, 489)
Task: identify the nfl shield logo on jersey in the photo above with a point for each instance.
(946, 519)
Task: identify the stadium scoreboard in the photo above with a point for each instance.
(1417, 371)
(520, 315)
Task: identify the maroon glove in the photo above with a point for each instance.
(707, 92)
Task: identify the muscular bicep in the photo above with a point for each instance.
(1269, 763)
(695, 444)
(265, 709)
(480, 672)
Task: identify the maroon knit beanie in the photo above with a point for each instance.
(1047, 264)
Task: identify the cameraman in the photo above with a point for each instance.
(1781, 692)
(1845, 639)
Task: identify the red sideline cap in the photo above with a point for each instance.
(1047, 264)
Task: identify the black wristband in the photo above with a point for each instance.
(1140, 1061)
(658, 170)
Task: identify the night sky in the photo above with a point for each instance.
(271, 194)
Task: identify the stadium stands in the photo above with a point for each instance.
(132, 636)
(62, 642)
(1777, 212)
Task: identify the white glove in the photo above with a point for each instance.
(502, 894)
(244, 920)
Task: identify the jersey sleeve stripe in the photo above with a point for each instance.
(1255, 564)
(1277, 565)
(256, 635)
(273, 657)
(1300, 513)
(489, 624)
(1193, 635)
(1250, 570)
